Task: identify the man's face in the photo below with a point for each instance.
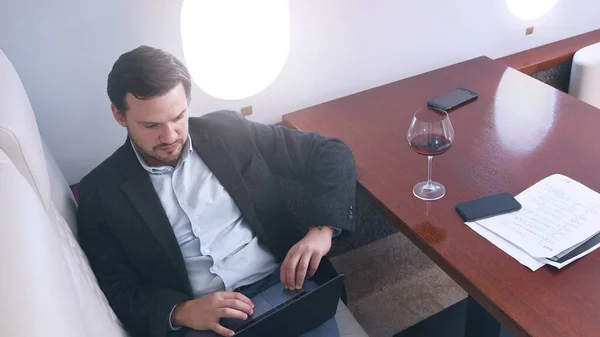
(158, 126)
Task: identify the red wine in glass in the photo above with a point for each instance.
(430, 134)
(430, 144)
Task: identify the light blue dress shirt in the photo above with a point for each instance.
(219, 248)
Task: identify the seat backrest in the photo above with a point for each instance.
(21, 141)
(35, 228)
(35, 284)
(60, 192)
(585, 75)
(19, 136)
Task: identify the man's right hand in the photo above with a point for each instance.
(204, 313)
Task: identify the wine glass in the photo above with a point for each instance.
(430, 134)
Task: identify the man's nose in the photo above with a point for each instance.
(169, 135)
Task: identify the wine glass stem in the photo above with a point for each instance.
(429, 164)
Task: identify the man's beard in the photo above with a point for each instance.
(155, 157)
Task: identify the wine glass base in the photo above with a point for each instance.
(426, 192)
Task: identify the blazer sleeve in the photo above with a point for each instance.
(325, 166)
(144, 309)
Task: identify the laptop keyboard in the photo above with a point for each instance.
(250, 319)
(301, 293)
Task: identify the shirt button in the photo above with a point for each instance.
(214, 269)
(185, 203)
(207, 251)
(230, 289)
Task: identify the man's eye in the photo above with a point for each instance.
(149, 126)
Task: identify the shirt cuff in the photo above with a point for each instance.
(336, 231)
(171, 327)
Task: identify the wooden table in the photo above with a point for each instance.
(519, 131)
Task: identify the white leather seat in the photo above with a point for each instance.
(585, 75)
(36, 286)
(46, 285)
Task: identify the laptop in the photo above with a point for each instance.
(281, 312)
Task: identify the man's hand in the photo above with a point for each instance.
(204, 313)
(304, 257)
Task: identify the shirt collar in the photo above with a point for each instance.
(185, 153)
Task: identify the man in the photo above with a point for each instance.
(188, 210)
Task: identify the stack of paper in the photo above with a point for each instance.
(558, 223)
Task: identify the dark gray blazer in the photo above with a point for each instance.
(129, 241)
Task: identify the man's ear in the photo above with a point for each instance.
(117, 115)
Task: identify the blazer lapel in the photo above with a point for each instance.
(138, 188)
(215, 155)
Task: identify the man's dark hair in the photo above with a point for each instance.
(145, 72)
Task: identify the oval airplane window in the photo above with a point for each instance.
(235, 48)
(530, 9)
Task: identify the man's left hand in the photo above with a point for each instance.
(304, 257)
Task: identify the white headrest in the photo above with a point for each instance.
(19, 134)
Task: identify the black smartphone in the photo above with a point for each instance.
(487, 207)
(452, 99)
